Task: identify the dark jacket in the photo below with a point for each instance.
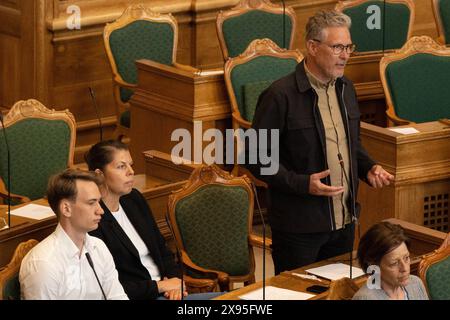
(290, 105)
(134, 277)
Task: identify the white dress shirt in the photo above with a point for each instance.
(146, 260)
(54, 269)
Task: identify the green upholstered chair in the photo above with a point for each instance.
(138, 34)
(212, 220)
(254, 19)
(247, 76)
(395, 26)
(41, 143)
(434, 270)
(9, 276)
(441, 11)
(415, 81)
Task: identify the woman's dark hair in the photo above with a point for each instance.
(379, 240)
(101, 153)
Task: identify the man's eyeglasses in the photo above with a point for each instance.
(338, 48)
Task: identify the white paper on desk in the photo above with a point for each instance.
(336, 271)
(408, 130)
(274, 293)
(33, 211)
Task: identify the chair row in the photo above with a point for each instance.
(143, 34)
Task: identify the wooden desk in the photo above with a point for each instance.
(169, 98)
(423, 242)
(22, 229)
(287, 280)
(421, 165)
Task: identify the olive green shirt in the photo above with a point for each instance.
(336, 142)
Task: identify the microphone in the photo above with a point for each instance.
(284, 24)
(180, 258)
(8, 162)
(88, 257)
(97, 112)
(264, 239)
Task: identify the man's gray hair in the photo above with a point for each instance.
(325, 19)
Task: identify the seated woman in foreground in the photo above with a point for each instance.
(385, 247)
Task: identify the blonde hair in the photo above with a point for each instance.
(325, 19)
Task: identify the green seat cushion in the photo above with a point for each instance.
(125, 119)
(418, 87)
(241, 30)
(263, 70)
(213, 223)
(39, 148)
(394, 26)
(444, 13)
(252, 91)
(140, 39)
(438, 280)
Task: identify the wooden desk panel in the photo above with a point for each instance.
(22, 229)
(421, 165)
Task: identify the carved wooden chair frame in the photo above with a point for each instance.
(342, 5)
(13, 266)
(133, 13)
(438, 255)
(32, 108)
(210, 175)
(257, 48)
(422, 44)
(245, 6)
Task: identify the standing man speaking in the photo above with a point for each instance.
(313, 205)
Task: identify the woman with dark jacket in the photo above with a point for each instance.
(146, 267)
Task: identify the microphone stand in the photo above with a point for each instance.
(8, 161)
(264, 240)
(284, 25)
(97, 112)
(88, 257)
(180, 258)
(341, 162)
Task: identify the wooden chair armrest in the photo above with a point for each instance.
(259, 241)
(124, 84)
(222, 277)
(396, 120)
(257, 182)
(17, 197)
(242, 123)
(195, 285)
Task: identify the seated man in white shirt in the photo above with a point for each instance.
(69, 263)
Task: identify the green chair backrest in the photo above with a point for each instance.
(444, 14)
(240, 31)
(213, 223)
(438, 280)
(394, 25)
(11, 289)
(140, 39)
(39, 148)
(418, 87)
(250, 79)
